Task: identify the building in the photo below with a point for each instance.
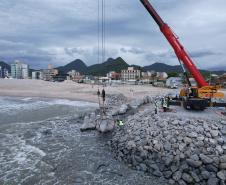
(161, 75)
(130, 74)
(78, 79)
(73, 73)
(115, 76)
(89, 79)
(174, 81)
(19, 70)
(37, 75)
(3, 72)
(49, 73)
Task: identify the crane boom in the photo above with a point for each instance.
(174, 42)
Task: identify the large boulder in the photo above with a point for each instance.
(122, 109)
(87, 125)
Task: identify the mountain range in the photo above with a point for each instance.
(111, 64)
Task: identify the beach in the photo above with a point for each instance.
(72, 90)
(75, 91)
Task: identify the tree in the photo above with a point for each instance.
(116, 77)
(154, 75)
(208, 76)
(172, 74)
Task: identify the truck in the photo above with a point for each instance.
(194, 97)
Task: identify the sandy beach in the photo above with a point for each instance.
(74, 91)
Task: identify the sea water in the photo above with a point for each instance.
(41, 143)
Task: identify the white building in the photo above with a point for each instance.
(74, 73)
(173, 81)
(130, 74)
(19, 70)
(37, 75)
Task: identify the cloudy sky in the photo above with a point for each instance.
(56, 32)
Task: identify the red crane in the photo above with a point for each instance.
(197, 98)
(174, 42)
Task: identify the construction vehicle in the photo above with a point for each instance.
(199, 97)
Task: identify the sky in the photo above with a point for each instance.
(56, 32)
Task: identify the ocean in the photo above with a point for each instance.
(41, 143)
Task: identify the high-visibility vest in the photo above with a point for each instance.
(155, 106)
(121, 123)
(155, 101)
(164, 104)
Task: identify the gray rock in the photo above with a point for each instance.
(223, 159)
(174, 168)
(154, 166)
(187, 178)
(213, 142)
(168, 161)
(175, 122)
(187, 140)
(213, 181)
(205, 159)
(182, 147)
(172, 182)
(194, 157)
(157, 173)
(205, 174)
(78, 180)
(222, 174)
(194, 164)
(222, 165)
(222, 182)
(167, 174)
(211, 168)
(181, 182)
(138, 159)
(137, 138)
(144, 154)
(143, 167)
(193, 134)
(134, 109)
(214, 133)
(195, 176)
(123, 108)
(177, 175)
(143, 142)
(184, 168)
(167, 146)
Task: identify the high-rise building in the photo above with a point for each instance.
(3, 72)
(19, 70)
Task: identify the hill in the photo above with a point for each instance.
(110, 65)
(77, 65)
(6, 66)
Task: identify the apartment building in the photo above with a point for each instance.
(3, 72)
(130, 74)
(49, 73)
(37, 75)
(19, 70)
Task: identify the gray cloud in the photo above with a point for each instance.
(57, 32)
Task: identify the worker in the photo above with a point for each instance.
(103, 94)
(166, 99)
(164, 106)
(121, 125)
(156, 108)
(162, 102)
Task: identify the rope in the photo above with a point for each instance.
(103, 47)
